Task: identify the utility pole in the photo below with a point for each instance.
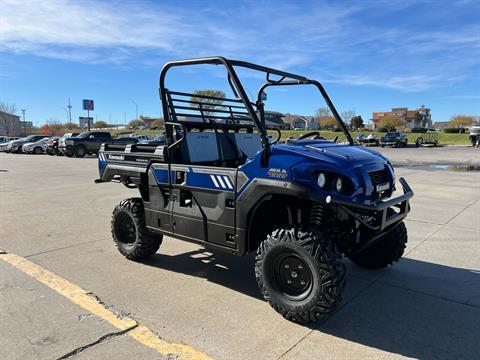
(125, 118)
(24, 127)
(69, 112)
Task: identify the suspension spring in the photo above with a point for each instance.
(316, 214)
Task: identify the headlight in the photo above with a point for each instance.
(339, 185)
(68, 142)
(321, 180)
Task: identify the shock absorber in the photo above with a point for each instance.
(316, 214)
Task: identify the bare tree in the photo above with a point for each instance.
(347, 115)
(8, 108)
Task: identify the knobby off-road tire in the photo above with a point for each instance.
(300, 274)
(388, 250)
(130, 233)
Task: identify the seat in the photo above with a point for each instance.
(248, 143)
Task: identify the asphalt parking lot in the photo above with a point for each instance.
(196, 303)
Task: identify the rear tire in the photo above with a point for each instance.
(130, 232)
(38, 151)
(80, 151)
(386, 251)
(300, 274)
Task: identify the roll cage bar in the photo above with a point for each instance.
(285, 79)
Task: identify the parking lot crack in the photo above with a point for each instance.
(100, 340)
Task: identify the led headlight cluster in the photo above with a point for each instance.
(329, 181)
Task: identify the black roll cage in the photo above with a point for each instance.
(240, 94)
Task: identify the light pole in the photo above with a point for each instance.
(136, 108)
(69, 112)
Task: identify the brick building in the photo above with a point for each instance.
(420, 117)
(9, 124)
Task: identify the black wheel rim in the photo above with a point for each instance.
(125, 229)
(292, 276)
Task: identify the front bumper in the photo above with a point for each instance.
(66, 150)
(379, 215)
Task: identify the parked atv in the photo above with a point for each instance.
(219, 181)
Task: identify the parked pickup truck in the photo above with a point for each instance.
(89, 143)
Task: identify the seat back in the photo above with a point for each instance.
(248, 143)
(201, 147)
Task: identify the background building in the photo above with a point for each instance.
(10, 124)
(419, 118)
(301, 122)
(83, 121)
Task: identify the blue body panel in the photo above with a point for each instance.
(296, 162)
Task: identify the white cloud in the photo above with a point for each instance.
(279, 34)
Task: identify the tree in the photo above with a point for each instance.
(55, 126)
(391, 122)
(157, 123)
(70, 126)
(135, 124)
(46, 130)
(461, 121)
(8, 108)
(347, 115)
(322, 116)
(209, 106)
(100, 124)
(327, 123)
(356, 122)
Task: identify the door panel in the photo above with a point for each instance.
(203, 206)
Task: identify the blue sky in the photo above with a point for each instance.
(370, 55)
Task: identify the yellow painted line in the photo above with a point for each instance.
(81, 297)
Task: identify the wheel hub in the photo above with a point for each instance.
(292, 276)
(125, 229)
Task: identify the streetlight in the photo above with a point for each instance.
(136, 108)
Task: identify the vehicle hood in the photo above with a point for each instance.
(340, 155)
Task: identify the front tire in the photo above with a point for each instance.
(388, 250)
(130, 233)
(38, 151)
(300, 274)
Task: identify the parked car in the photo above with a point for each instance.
(4, 145)
(475, 135)
(37, 148)
(16, 145)
(52, 143)
(371, 139)
(157, 140)
(89, 143)
(394, 138)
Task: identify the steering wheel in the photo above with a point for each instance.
(315, 135)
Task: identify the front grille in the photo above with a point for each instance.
(378, 177)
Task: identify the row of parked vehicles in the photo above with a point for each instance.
(397, 139)
(72, 144)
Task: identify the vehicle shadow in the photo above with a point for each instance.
(415, 309)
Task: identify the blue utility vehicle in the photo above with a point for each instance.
(221, 181)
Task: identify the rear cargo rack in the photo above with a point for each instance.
(203, 111)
